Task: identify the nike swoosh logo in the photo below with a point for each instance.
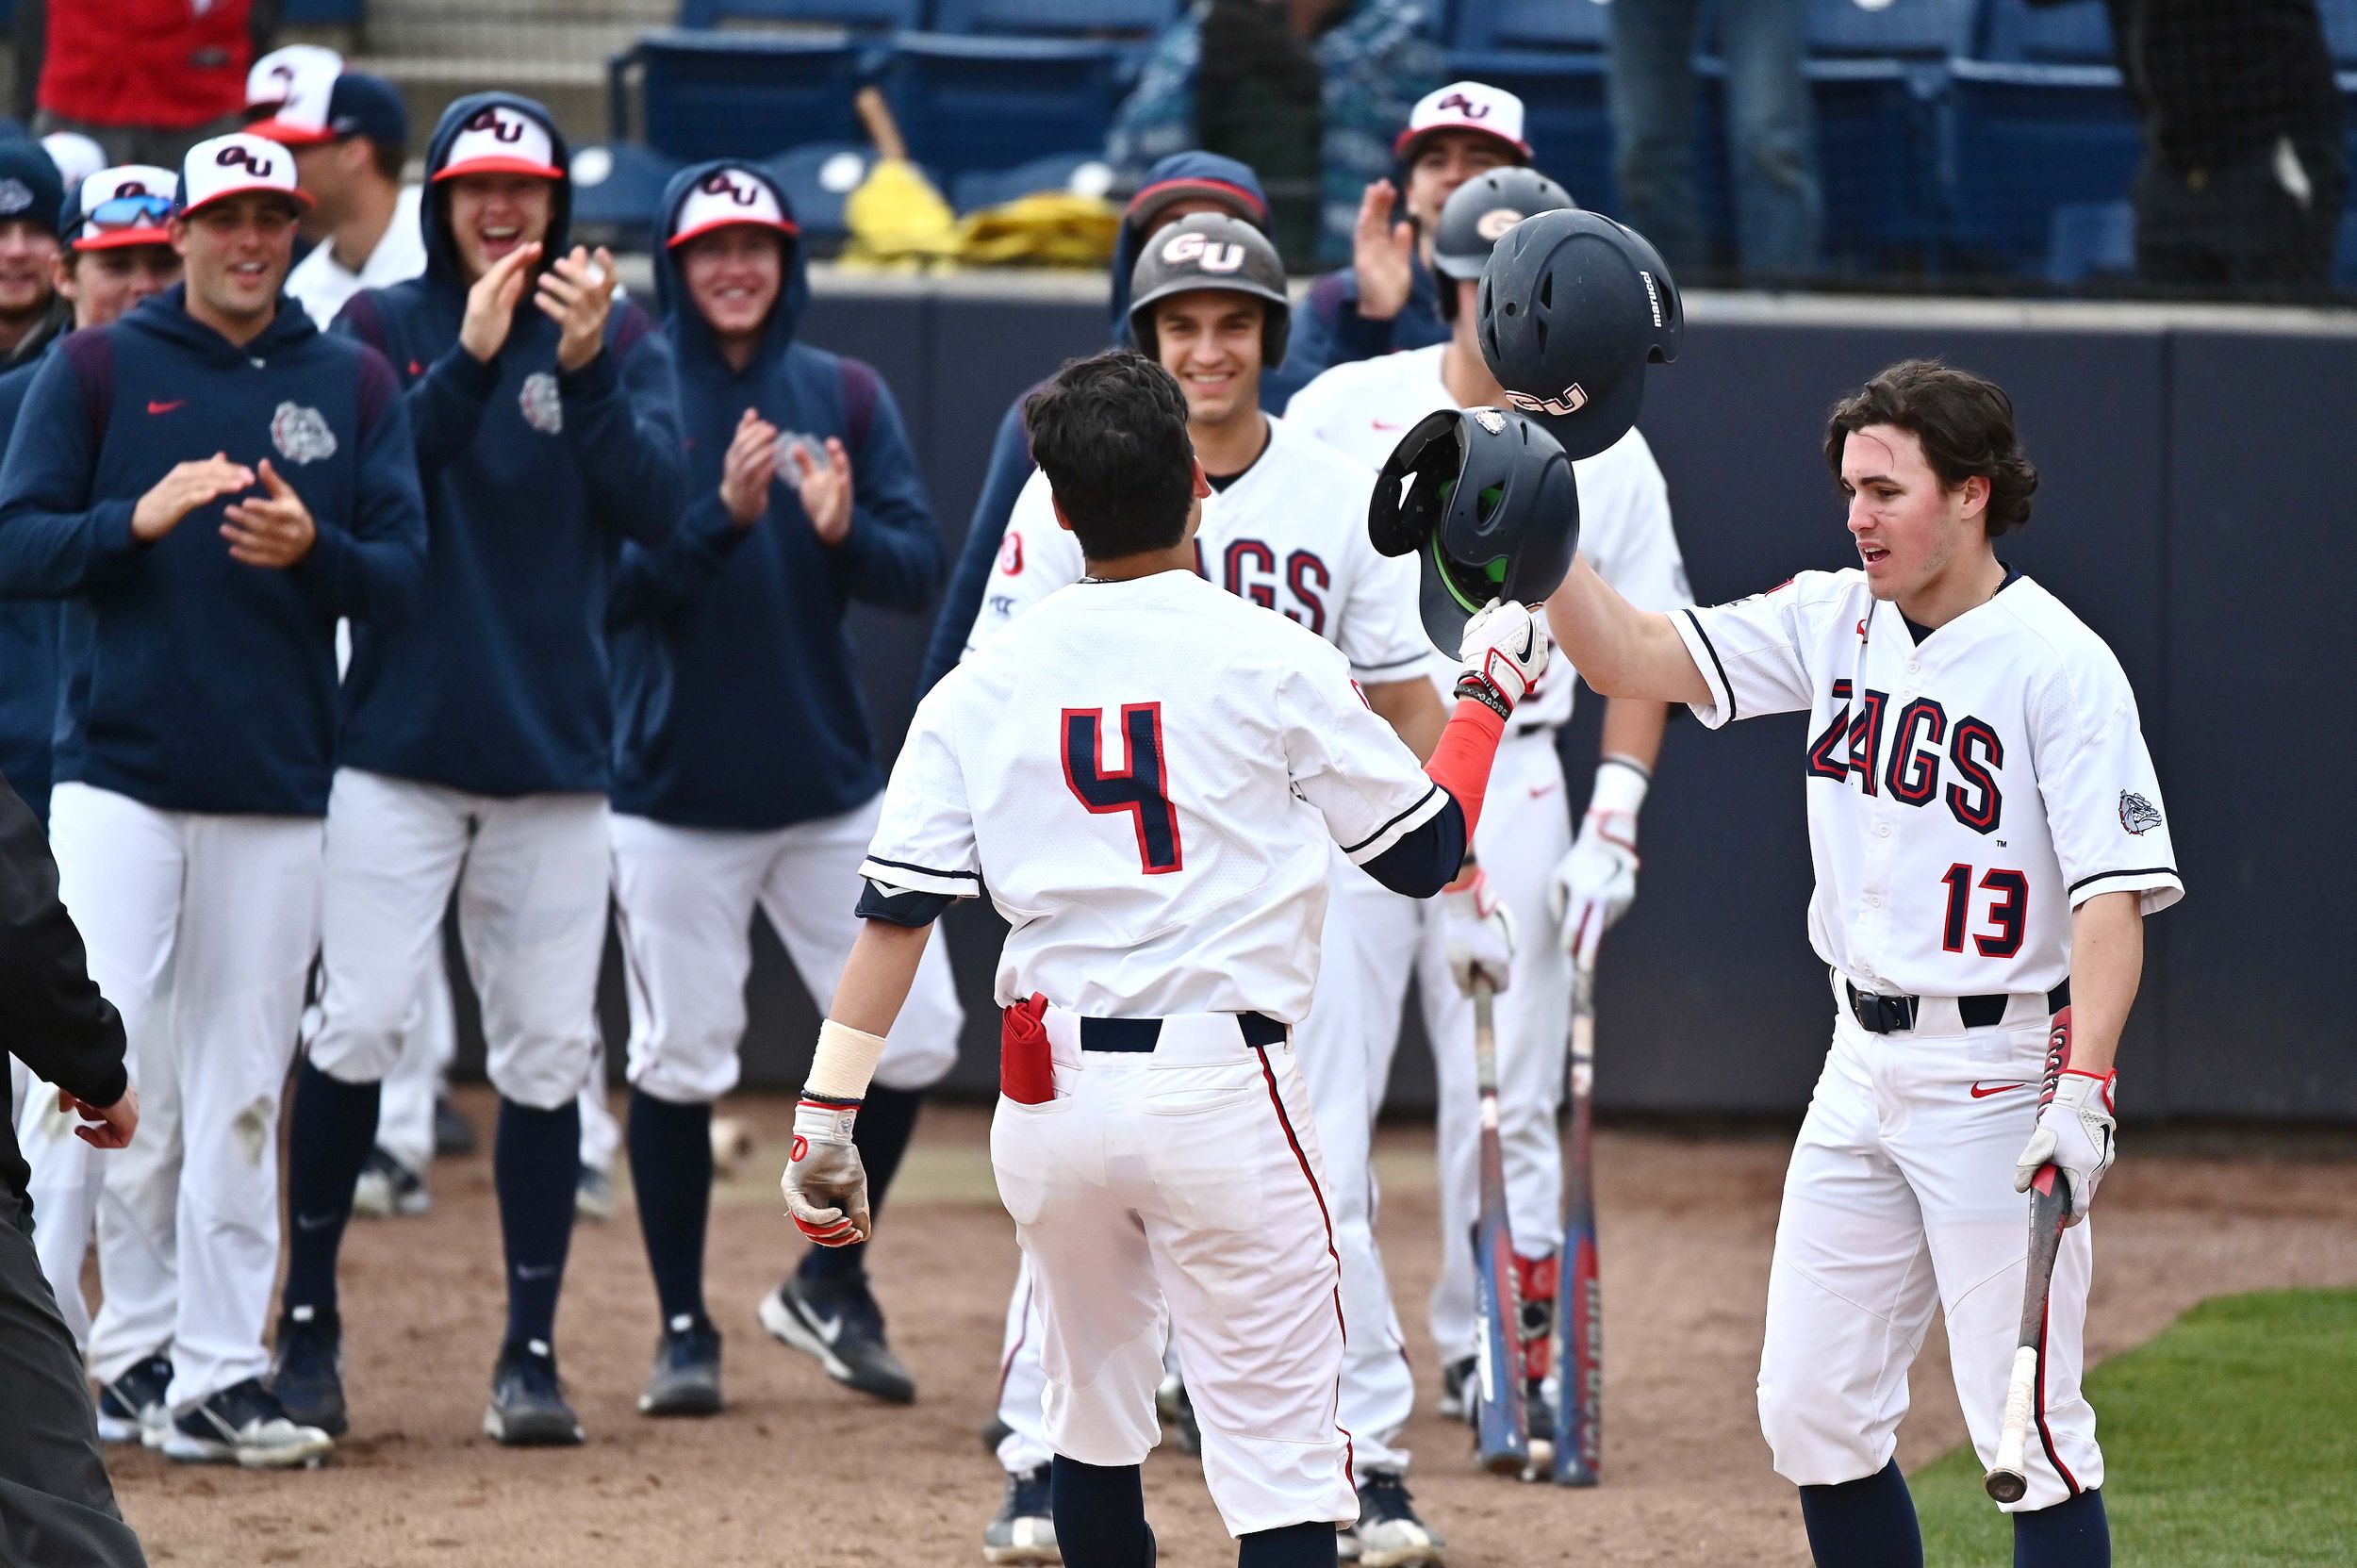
(1541, 790)
(1386, 424)
(1978, 1093)
(155, 408)
(314, 1222)
(526, 1271)
(829, 1330)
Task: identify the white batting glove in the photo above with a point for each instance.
(1505, 648)
(825, 1185)
(1479, 934)
(1594, 884)
(2075, 1134)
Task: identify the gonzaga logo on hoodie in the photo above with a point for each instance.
(301, 435)
(542, 411)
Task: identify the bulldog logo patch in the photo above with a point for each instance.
(301, 435)
(541, 409)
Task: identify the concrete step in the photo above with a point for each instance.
(574, 90)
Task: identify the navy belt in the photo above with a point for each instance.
(1879, 1014)
(1260, 1031)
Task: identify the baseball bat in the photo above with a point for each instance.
(1579, 1289)
(1501, 1435)
(2050, 1207)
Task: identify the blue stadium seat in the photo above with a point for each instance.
(1540, 24)
(2079, 33)
(2340, 31)
(858, 15)
(992, 103)
(983, 188)
(1551, 55)
(707, 94)
(1138, 19)
(617, 191)
(817, 179)
(2090, 240)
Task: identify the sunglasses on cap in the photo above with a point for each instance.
(130, 212)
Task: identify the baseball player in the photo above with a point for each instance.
(1987, 835)
(117, 233)
(208, 484)
(1176, 186)
(1388, 300)
(478, 740)
(1562, 894)
(1285, 529)
(31, 194)
(1150, 776)
(807, 499)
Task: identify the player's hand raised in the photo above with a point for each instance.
(491, 303)
(271, 530)
(1382, 255)
(1505, 648)
(181, 491)
(577, 293)
(749, 469)
(825, 1185)
(1477, 933)
(826, 489)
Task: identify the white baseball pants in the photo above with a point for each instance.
(1176, 1193)
(200, 930)
(687, 898)
(1898, 1199)
(532, 877)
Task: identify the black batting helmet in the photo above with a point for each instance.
(1211, 250)
(1573, 308)
(1490, 510)
(1478, 213)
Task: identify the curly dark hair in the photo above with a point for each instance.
(1110, 434)
(1965, 423)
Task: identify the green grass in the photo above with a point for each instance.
(2230, 1440)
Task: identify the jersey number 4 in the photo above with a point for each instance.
(1142, 789)
(2009, 911)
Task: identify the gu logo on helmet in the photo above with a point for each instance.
(1494, 223)
(1569, 400)
(301, 435)
(504, 127)
(234, 157)
(1207, 256)
(1463, 105)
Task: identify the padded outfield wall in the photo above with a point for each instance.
(2195, 509)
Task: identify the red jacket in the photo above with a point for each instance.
(160, 63)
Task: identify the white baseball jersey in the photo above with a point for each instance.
(1289, 534)
(321, 284)
(1967, 789)
(1364, 407)
(1148, 778)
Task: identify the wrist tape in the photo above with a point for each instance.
(843, 1062)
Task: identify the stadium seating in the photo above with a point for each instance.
(1134, 19)
(707, 94)
(970, 103)
(857, 15)
(616, 190)
(1551, 54)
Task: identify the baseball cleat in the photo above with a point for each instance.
(593, 1195)
(686, 1380)
(245, 1425)
(307, 1368)
(131, 1407)
(1390, 1534)
(388, 1190)
(1023, 1530)
(453, 1134)
(1455, 1379)
(841, 1325)
(1539, 1407)
(528, 1408)
(1176, 1411)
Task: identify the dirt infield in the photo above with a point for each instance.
(800, 1472)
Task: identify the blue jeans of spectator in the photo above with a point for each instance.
(1779, 210)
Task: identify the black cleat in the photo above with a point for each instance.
(842, 1326)
(1390, 1534)
(686, 1380)
(1455, 1377)
(131, 1408)
(245, 1425)
(528, 1408)
(1023, 1530)
(307, 1369)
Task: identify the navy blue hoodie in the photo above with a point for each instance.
(28, 648)
(194, 682)
(533, 477)
(735, 704)
(1011, 462)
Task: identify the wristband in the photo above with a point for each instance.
(843, 1065)
(1621, 785)
(823, 1121)
(1479, 689)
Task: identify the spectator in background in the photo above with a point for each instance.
(350, 138)
(77, 155)
(1310, 92)
(31, 197)
(146, 80)
(1385, 300)
(2243, 174)
(1770, 150)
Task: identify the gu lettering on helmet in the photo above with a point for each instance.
(1211, 250)
(1573, 308)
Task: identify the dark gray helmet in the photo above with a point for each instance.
(1573, 308)
(1211, 250)
(1490, 510)
(1478, 213)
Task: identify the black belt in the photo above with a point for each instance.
(1878, 1014)
(1260, 1031)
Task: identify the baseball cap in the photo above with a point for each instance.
(351, 104)
(30, 186)
(727, 196)
(226, 166)
(1150, 200)
(501, 138)
(77, 155)
(1464, 106)
(128, 204)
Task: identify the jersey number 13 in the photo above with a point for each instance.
(1141, 789)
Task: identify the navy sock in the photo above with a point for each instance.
(1863, 1524)
(2074, 1534)
(1310, 1546)
(1100, 1515)
(535, 1164)
(331, 1132)
(671, 1170)
(887, 1117)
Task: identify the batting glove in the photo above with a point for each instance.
(825, 1185)
(1505, 648)
(2075, 1135)
(1594, 884)
(1479, 934)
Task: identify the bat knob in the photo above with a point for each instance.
(2007, 1486)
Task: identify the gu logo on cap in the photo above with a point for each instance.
(501, 140)
(1466, 107)
(728, 196)
(295, 84)
(228, 165)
